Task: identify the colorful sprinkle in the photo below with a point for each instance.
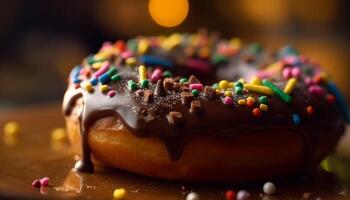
(195, 92)
(242, 195)
(263, 107)
(36, 183)
(310, 110)
(257, 112)
(142, 73)
(258, 88)
(45, 181)
(119, 193)
(230, 195)
(223, 84)
(228, 101)
(255, 81)
(93, 81)
(192, 196)
(104, 68)
(238, 90)
(167, 74)
(104, 78)
(116, 77)
(132, 85)
(111, 93)
(88, 87)
(316, 90)
(104, 88)
(296, 119)
(112, 71)
(242, 102)
(131, 61)
(183, 80)
(285, 97)
(290, 85)
(153, 60)
(197, 86)
(269, 188)
(156, 75)
(228, 93)
(263, 99)
(144, 83)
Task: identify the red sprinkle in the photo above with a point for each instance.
(36, 183)
(310, 110)
(250, 103)
(257, 112)
(330, 98)
(196, 86)
(45, 181)
(230, 195)
(76, 86)
(111, 93)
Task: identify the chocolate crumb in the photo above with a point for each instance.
(186, 98)
(168, 83)
(148, 95)
(209, 92)
(159, 91)
(193, 79)
(196, 107)
(176, 86)
(184, 88)
(175, 118)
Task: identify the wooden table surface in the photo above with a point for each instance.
(33, 155)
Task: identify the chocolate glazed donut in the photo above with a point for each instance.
(275, 115)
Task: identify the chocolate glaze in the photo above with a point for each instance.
(150, 119)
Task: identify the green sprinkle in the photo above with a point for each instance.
(195, 92)
(132, 45)
(239, 84)
(132, 85)
(91, 60)
(255, 48)
(144, 83)
(285, 97)
(217, 59)
(238, 90)
(112, 71)
(115, 77)
(183, 80)
(167, 74)
(264, 100)
(215, 86)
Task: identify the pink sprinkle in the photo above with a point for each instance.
(36, 183)
(102, 70)
(197, 86)
(295, 72)
(263, 74)
(111, 93)
(228, 101)
(290, 60)
(198, 65)
(316, 90)
(156, 75)
(45, 181)
(106, 45)
(308, 81)
(127, 54)
(286, 73)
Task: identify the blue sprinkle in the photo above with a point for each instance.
(104, 78)
(340, 100)
(155, 60)
(93, 81)
(288, 50)
(76, 80)
(74, 74)
(296, 119)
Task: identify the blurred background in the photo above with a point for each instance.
(42, 40)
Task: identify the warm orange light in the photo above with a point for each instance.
(168, 13)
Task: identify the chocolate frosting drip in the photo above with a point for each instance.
(146, 119)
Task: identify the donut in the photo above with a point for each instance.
(197, 107)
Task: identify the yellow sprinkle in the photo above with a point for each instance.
(223, 84)
(255, 81)
(104, 88)
(142, 73)
(119, 193)
(324, 76)
(242, 102)
(87, 85)
(264, 107)
(143, 46)
(290, 85)
(131, 61)
(204, 52)
(252, 99)
(241, 80)
(217, 91)
(228, 93)
(97, 65)
(258, 88)
(103, 54)
(172, 41)
(231, 84)
(11, 129)
(58, 134)
(236, 43)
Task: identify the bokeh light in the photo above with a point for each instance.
(168, 13)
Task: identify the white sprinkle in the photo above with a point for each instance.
(242, 195)
(192, 196)
(269, 188)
